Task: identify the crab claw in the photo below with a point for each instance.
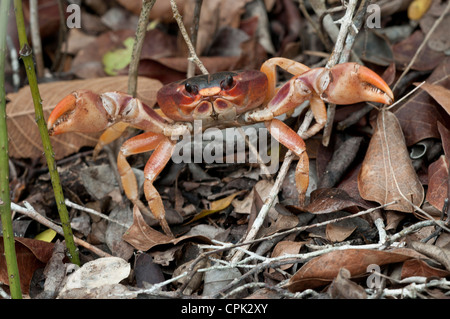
(349, 83)
(80, 111)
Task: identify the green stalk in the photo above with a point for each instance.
(27, 58)
(5, 200)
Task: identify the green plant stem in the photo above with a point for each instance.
(141, 29)
(27, 58)
(5, 200)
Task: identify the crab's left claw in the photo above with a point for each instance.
(80, 111)
(349, 83)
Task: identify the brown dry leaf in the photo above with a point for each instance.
(31, 255)
(23, 132)
(419, 115)
(445, 138)
(328, 200)
(417, 267)
(438, 182)
(343, 288)
(143, 237)
(286, 248)
(441, 255)
(439, 93)
(323, 269)
(405, 50)
(387, 173)
(337, 233)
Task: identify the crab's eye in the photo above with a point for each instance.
(227, 83)
(191, 89)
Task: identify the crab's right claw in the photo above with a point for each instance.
(349, 83)
(80, 111)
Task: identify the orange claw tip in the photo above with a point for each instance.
(67, 104)
(377, 84)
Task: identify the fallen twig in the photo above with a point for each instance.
(31, 212)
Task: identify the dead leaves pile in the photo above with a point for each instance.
(400, 155)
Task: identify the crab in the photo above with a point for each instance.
(224, 99)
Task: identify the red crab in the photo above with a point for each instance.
(223, 99)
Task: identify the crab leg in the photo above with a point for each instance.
(154, 166)
(289, 138)
(270, 69)
(111, 134)
(163, 151)
(288, 97)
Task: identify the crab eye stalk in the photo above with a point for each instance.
(227, 83)
(191, 89)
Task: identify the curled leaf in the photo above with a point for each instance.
(143, 237)
(387, 173)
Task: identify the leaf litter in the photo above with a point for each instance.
(212, 207)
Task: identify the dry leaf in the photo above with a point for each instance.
(418, 116)
(329, 200)
(439, 93)
(286, 248)
(23, 132)
(96, 274)
(438, 182)
(441, 255)
(418, 8)
(31, 255)
(343, 288)
(143, 237)
(216, 206)
(417, 267)
(323, 269)
(438, 39)
(405, 50)
(337, 233)
(445, 138)
(387, 173)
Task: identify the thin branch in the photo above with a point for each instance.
(414, 290)
(94, 212)
(194, 33)
(36, 38)
(31, 212)
(338, 56)
(346, 23)
(141, 29)
(192, 54)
